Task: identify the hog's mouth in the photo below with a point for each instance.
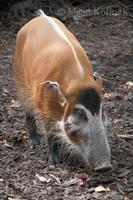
(74, 132)
(71, 129)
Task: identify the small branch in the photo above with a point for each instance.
(56, 178)
(107, 80)
(126, 136)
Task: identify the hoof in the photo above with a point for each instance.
(33, 142)
(52, 159)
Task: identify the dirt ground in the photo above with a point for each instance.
(108, 41)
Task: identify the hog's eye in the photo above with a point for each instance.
(80, 113)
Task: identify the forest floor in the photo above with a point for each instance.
(108, 41)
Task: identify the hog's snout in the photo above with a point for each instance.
(105, 166)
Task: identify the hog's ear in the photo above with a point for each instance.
(99, 81)
(55, 89)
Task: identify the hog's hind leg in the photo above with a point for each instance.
(34, 137)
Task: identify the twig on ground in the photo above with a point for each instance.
(126, 136)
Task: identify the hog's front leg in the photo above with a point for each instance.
(53, 133)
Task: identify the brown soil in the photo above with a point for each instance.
(108, 41)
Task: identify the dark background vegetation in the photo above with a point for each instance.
(4, 4)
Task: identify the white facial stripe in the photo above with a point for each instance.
(86, 110)
(89, 113)
(80, 106)
(100, 112)
(62, 34)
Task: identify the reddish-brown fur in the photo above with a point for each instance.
(41, 55)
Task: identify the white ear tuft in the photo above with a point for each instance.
(96, 75)
(55, 86)
(52, 84)
(99, 81)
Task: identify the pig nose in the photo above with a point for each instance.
(105, 166)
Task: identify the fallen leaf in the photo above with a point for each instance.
(109, 95)
(126, 198)
(100, 188)
(71, 182)
(44, 179)
(129, 83)
(56, 178)
(34, 182)
(92, 189)
(2, 141)
(5, 91)
(7, 145)
(10, 198)
(15, 104)
(108, 189)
